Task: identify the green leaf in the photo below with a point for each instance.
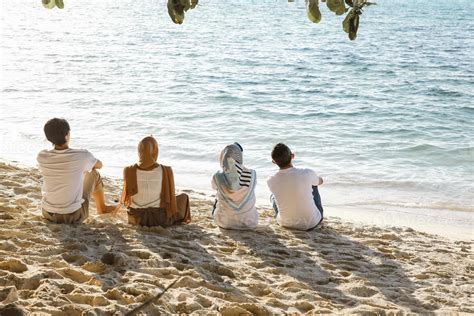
(336, 6)
(48, 4)
(312, 10)
(60, 4)
(176, 11)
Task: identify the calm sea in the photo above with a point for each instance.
(387, 120)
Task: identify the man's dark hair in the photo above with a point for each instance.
(56, 130)
(281, 155)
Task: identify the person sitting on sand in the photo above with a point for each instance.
(295, 196)
(70, 178)
(235, 184)
(149, 192)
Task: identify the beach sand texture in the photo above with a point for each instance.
(107, 267)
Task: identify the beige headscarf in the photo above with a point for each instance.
(148, 156)
(148, 153)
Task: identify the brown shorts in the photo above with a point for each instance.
(92, 183)
(153, 216)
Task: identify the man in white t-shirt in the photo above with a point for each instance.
(70, 178)
(295, 196)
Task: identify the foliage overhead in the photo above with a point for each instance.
(49, 4)
(177, 8)
(350, 25)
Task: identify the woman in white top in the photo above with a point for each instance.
(235, 197)
(149, 193)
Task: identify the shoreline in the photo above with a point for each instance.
(459, 227)
(106, 266)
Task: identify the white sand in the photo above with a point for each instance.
(107, 267)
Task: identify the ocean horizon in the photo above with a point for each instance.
(386, 120)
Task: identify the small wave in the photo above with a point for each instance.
(469, 151)
(468, 109)
(379, 184)
(423, 148)
(460, 155)
(427, 206)
(440, 92)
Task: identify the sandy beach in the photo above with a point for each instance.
(107, 267)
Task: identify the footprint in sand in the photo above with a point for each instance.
(24, 202)
(63, 285)
(293, 284)
(345, 273)
(375, 242)
(34, 196)
(75, 245)
(384, 250)
(328, 266)
(93, 300)
(116, 259)
(95, 267)
(76, 258)
(362, 291)
(6, 217)
(223, 271)
(243, 309)
(78, 276)
(8, 245)
(13, 265)
(203, 301)
(257, 264)
(259, 289)
(8, 295)
(10, 184)
(120, 297)
(325, 252)
(323, 281)
(187, 282)
(32, 282)
(390, 237)
(139, 253)
(20, 190)
(304, 306)
(12, 309)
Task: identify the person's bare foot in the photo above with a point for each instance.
(106, 209)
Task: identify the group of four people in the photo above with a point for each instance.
(71, 179)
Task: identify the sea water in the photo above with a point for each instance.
(386, 120)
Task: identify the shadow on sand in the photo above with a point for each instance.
(280, 259)
(378, 272)
(181, 247)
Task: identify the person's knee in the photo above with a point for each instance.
(96, 179)
(92, 184)
(183, 197)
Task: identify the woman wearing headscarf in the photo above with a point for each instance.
(235, 197)
(149, 193)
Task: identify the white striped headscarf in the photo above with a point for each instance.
(234, 175)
